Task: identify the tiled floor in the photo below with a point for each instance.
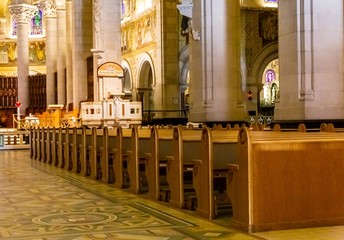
(38, 201)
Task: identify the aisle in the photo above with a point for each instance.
(39, 201)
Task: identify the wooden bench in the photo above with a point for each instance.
(140, 146)
(120, 164)
(218, 149)
(69, 136)
(52, 145)
(33, 142)
(186, 147)
(89, 153)
(287, 180)
(156, 162)
(39, 143)
(48, 145)
(109, 149)
(78, 149)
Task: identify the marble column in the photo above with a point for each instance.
(69, 62)
(22, 14)
(215, 85)
(49, 12)
(61, 51)
(106, 36)
(311, 60)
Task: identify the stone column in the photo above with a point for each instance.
(311, 60)
(61, 51)
(69, 62)
(49, 12)
(215, 89)
(106, 36)
(22, 14)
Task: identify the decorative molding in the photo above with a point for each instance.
(48, 7)
(22, 13)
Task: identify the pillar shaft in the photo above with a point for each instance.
(310, 60)
(106, 36)
(49, 10)
(23, 13)
(61, 52)
(215, 89)
(69, 62)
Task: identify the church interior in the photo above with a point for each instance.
(238, 103)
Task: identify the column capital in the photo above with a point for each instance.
(48, 7)
(22, 13)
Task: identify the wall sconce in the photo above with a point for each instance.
(249, 95)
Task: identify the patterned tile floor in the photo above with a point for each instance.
(38, 201)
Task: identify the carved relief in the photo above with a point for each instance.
(138, 33)
(48, 7)
(36, 51)
(22, 13)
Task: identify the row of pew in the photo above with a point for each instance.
(268, 178)
(167, 164)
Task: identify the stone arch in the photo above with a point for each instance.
(255, 74)
(128, 78)
(145, 82)
(145, 72)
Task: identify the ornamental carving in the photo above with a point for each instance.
(48, 7)
(22, 13)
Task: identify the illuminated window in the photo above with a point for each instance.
(14, 27)
(36, 23)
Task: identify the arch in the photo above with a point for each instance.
(145, 72)
(255, 74)
(269, 53)
(145, 81)
(128, 77)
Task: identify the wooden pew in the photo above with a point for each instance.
(89, 153)
(48, 138)
(39, 143)
(53, 146)
(65, 143)
(96, 154)
(82, 152)
(287, 180)
(186, 147)
(155, 170)
(69, 150)
(218, 149)
(140, 146)
(33, 135)
(77, 149)
(120, 164)
(108, 154)
(60, 155)
(44, 144)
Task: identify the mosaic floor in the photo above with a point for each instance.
(38, 201)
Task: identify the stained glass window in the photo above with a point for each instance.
(36, 23)
(14, 27)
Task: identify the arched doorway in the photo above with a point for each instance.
(144, 89)
(269, 91)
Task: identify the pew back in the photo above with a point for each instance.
(287, 180)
